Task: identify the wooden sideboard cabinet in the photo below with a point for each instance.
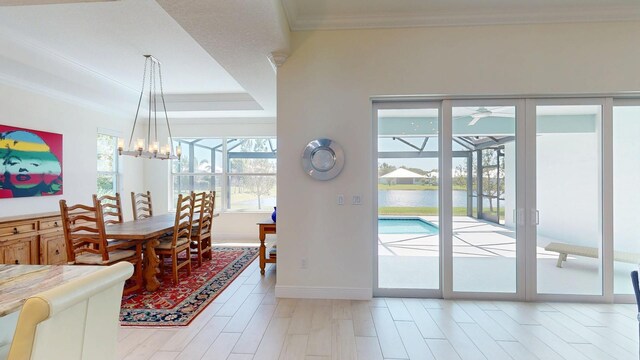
(32, 239)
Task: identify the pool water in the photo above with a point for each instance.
(406, 226)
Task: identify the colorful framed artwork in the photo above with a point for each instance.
(30, 163)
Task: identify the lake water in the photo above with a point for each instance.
(386, 198)
(419, 198)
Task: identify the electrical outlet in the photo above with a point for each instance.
(356, 200)
(304, 264)
(340, 199)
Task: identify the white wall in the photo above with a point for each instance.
(568, 194)
(324, 90)
(626, 175)
(228, 226)
(79, 127)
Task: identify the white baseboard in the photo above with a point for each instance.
(307, 292)
(235, 237)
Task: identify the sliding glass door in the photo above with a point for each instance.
(407, 175)
(568, 205)
(626, 197)
(524, 199)
(485, 234)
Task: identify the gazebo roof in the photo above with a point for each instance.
(402, 173)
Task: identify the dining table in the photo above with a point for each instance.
(149, 231)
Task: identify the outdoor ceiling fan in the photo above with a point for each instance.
(482, 112)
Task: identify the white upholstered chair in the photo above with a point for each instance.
(77, 320)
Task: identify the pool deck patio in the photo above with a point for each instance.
(484, 260)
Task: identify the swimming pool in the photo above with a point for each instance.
(406, 226)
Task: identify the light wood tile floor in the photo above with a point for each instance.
(247, 322)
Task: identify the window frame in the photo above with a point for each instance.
(115, 173)
(226, 173)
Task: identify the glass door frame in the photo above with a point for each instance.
(617, 102)
(445, 138)
(403, 104)
(526, 243)
(447, 204)
(605, 198)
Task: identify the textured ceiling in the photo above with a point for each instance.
(239, 35)
(213, 53)
(43, 2)
(332, 14)
(111, 37)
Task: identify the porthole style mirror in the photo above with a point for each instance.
(323, 159)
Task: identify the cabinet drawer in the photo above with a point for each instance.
(7, 230)
(53, 223)
(23, 252)
(53, 249)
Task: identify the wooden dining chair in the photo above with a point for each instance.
(87, 243)
(111, 207)
(201, 231)
(172, 246)
(142, 206)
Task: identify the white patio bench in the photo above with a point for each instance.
(565, 249)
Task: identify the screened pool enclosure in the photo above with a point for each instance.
(242, 171)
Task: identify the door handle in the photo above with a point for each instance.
(521, 217)
(535, 217)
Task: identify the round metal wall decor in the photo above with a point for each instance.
(323, 159)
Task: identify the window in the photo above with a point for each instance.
(108, 176)
(242, 171)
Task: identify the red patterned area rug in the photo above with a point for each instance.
(177, 305)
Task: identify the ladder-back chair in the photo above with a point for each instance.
(142, 206)
(201, 234)
(111, 207)
(172, 246)
(87, 243)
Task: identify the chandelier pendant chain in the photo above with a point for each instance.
(150, 108)
(155, 109)
(152, 150)
(135, 120)
(164, 106)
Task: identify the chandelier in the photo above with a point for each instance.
(149, 147)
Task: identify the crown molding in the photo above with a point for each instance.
(219, 114)
(44, 2)
(211, 102)
(36, 88)
(291, 12)
(223, 121)
(32, 47)
(31, 66)
(543, 16)
(277, 59)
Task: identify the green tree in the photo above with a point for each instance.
(491, 174)
(460, 177)
(106, 183)
(258, 185)
(385, 168)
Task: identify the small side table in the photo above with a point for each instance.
(266, 227)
